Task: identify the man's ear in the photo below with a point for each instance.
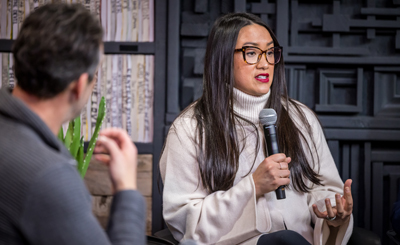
(78, 86)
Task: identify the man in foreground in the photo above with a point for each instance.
(43, 199)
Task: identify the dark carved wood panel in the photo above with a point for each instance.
(385, 183)
(342, 59)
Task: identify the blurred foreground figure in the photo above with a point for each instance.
(43, 198)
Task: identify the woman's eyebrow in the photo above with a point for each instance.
(250, 43)
(256, 44)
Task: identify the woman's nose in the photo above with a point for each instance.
(263, 64)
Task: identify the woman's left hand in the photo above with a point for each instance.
(336, 216)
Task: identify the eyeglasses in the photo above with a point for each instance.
(252, 55)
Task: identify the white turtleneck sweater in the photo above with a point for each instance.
(235, 216)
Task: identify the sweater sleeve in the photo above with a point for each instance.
(192, 213)
(57, 210)
(332, 184)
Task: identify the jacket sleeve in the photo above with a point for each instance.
(189, 210)
(325, 166)
(57, 210)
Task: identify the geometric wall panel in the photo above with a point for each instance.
(350, 168)
(343, 32)
(266, 10)
(192, 90)
(387, 92)
(385, 183)
(381, 182)
(192, 70)
(340, 91)
(295, 79)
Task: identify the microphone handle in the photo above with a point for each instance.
(273, 148)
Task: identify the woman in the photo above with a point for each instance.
(218, 183)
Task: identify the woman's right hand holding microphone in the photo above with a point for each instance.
(271, 173)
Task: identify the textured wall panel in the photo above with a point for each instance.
(342, 59)
(387, 92)
(385, 184)
(347, 31)
(340, 91)
(295, 79)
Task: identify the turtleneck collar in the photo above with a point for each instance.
(248, 106)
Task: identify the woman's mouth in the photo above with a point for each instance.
(264, 78)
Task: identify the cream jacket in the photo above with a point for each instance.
(235, 216)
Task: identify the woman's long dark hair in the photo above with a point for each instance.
(216, 137)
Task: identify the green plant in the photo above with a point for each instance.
(74, 141)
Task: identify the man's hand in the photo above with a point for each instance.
(115, 148)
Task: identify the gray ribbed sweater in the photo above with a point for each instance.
(43, 200)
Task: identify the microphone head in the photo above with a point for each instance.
(267, 117)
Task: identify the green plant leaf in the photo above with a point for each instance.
(80, 155)
(60, 135)
(73, 140)
(76, 134)
(68, 135)
(99, 121)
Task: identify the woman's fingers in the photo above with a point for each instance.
(283, 165)
(329, 209)
(280, 157)
(348, 196)
(283, 174)
(271, 173)
(342, 210)
(283, 181)
(318, 213)
(339, 205)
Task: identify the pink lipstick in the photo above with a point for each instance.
(263, 77)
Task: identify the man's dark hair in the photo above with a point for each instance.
(56, 44)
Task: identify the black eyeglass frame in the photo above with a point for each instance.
(260, 55)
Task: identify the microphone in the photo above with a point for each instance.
(268, 119)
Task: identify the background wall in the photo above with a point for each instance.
(342, 60)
